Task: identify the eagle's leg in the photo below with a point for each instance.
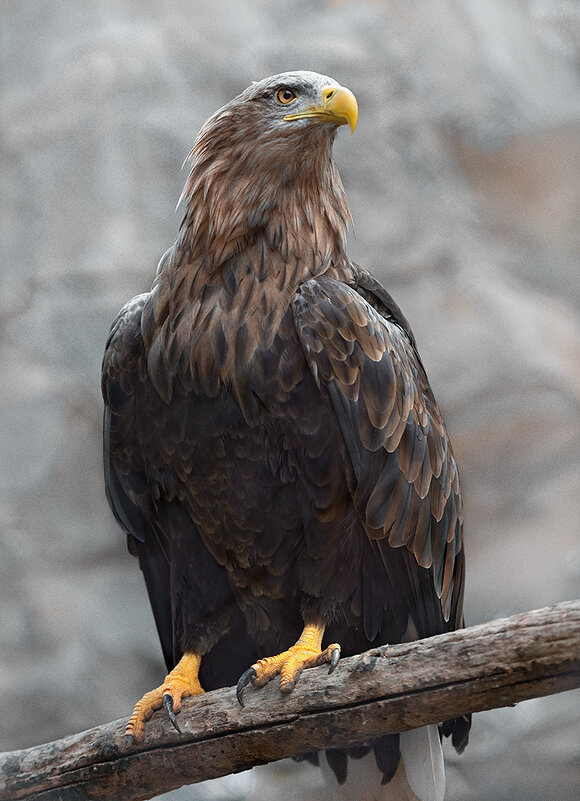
(306, 652)
(182, 682)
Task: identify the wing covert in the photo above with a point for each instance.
(405, 475)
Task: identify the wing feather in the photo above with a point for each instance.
(125, 480)
(142, 436)
(363, 355)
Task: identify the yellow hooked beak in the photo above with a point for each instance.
(338, 107)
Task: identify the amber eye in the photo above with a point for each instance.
(285, 96)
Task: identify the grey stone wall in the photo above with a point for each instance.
(464, 183)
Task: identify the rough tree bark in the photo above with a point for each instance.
(387, 689)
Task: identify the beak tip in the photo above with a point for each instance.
(345, 103)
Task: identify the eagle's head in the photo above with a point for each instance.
(265, 159)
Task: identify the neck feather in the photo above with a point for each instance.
(260, 220)
(285, 190)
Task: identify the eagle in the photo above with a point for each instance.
(272, 446)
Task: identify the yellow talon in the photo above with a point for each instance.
(306, 652)
(181, 682)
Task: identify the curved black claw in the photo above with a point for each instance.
(168, 706)
(246, 678)
(334, 660)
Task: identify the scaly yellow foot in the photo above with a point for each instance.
(306, 652)
(182, 682)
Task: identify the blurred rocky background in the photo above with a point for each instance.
(464, 182)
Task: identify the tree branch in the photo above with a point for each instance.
(388, 689)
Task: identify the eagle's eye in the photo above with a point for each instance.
(285, 96)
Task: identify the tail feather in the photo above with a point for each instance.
(422, 757)
(420, 775)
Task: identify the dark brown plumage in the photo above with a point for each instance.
(272, 446)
